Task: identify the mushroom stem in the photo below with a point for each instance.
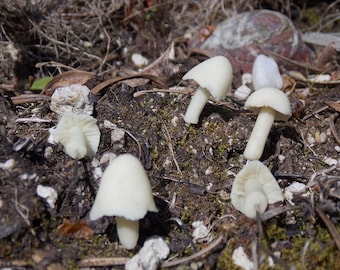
(196, 105)
(128, 232)
(76, 145)
(256, 200)
(259, 135)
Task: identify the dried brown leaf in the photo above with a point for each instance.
(67, 78)
(79, 230)
(334, 104)
(326, 57)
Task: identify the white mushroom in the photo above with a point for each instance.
(214, 77)
(78, 133)
(270, 104)
(254, 188)
(266, 73)
(124, 192)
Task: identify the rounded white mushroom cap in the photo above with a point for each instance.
(78, 133)
(272, 98)
(266, 73)
(214, 74)
(124, 190)
(254, 188)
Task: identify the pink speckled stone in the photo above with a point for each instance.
(242, 37)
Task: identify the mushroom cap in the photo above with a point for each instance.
(266, 73)
(272, 98)
(78, 133)
(258, 173)
(124, 190)
(214, 74)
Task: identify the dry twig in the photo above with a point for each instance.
(332, 127)
(331, 227)
(195, 256)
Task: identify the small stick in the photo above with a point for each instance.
(331, 227)
(95, 90)
(99, 262)
(170, 146)
(332, 127)
(33, 120)
(180, 92)
(27, 98)
(185, 230)
(195, 256)
(316, 112)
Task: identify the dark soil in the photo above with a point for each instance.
(191, 167)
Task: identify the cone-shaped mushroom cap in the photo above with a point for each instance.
(78, 133)
(266, 73)
(270, 97)
(261, 178)
(214, 74)
(124, 190)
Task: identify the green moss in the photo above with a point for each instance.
(304, 251)
(154, 153)
(275, 233)
(312, 15)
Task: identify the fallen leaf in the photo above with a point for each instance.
(67, 78)
(78, 230)
(40, 84)
(334, 104)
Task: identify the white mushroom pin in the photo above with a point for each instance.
(270, 104)
(254, 188)
(124, 192)
(214, 77)
(266, 73)
(78, 133)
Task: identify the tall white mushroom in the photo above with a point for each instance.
(270, 104)
(124, 192)
(254, 188)
(214, 77)
(266, 73)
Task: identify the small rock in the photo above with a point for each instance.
(48, 193)
(153, 251)
(247, 78)
(242, 37)
(75, 98)
(201, 233)
(209, 170)
(107, 158)
(241, 259)
(310, 139)
(330, 161)
(242, 92)
(139, 60)
(117, 135)
(8, 164)
(294, 189)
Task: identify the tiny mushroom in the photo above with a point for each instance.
(254, 188)
(270, 104)
(266, 73)
(78, 133)
(124, 192)
(214, 77)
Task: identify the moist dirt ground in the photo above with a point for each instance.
(191, 167)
